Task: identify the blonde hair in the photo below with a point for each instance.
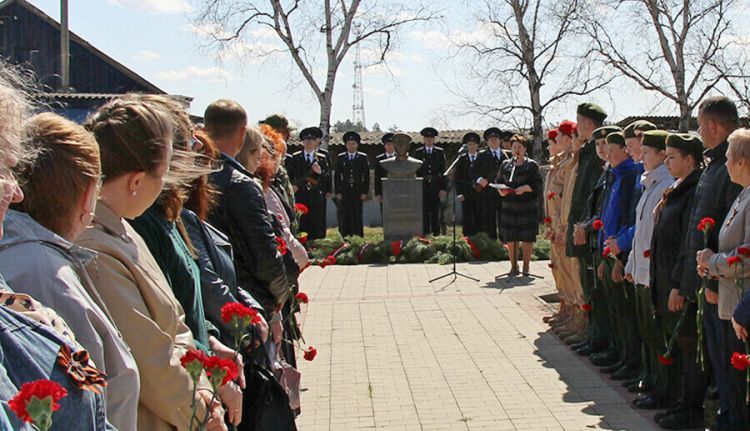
(253, 141)
(67, 164)
(739, 145)
(16, 92)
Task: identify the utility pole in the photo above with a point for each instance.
(358, 106)
(64, 46)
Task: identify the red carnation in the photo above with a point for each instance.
(607, 252)
(743, 251)
(220, 371)
(740, 361)
(647, 253)
(193, 361)
(551, 195)
(733, 260)
(331, 260)
(310, 353)
(474, 249)
(301, 208)
(706, 224)
(36, 401)
(281, 245)
(303, 238)
(598, 224)
(244, 315)
(396, 248)
(302, 297)
(547, 221)
(586, 307)
(666, 359)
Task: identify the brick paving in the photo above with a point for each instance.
(398, 353)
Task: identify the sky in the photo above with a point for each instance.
(157, 40)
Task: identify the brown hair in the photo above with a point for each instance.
(520, 139)
(223, 117)
(202, 195)
(720, 109)
(66, 165)
(133, 136)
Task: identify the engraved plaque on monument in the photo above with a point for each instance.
(402, 193)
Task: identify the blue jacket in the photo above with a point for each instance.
(618, 213)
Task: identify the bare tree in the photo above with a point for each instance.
(671, 47)
(316, 50)
(525, 59)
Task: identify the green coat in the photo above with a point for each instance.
(589, 170)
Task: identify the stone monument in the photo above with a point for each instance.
(402, 193)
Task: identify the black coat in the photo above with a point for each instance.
(465, 176)
(217, 274)
(714, 196)
(670, 229)
(241, 213)
(433, 166)
(301, 173)
(488, 167)
(588, 171)
(352, 177)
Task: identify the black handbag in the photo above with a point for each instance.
(265, 405)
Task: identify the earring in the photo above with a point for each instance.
(133, 192)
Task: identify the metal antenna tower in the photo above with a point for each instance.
(358, 105)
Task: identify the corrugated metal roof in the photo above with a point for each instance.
(104, 96)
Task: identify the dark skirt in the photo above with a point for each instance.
(520, 218)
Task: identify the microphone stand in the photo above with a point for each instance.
(454, 272)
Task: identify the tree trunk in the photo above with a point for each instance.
(326, 103)
(536, 112)
(685, 112)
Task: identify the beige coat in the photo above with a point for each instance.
(734, 233)
(151, 321)
(567, 267)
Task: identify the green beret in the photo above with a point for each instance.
(592, 111)
(636, 128)
(603, 131)
(686, 142)
(655, 138)
(616, 138)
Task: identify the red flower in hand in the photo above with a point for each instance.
(586, 307)
(647, 253)
(740, 361)
(396, 248)
(598, 224)
(303, 238)
(743, 251)
(732, 260)
(666, 359)
(281, 245)
(244, 315)
(547, 221)
(551, 195)
(310, 353)
(36, 401)
(193, 361)
(302, 297)
(220, 371)
(607, 252)
(301, 208)
(706, 224)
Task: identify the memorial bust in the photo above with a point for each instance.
(401, 166)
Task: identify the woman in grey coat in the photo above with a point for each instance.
(734, 238)
(37, 256)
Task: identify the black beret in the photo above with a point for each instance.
(616, 138)
(388, 137)
(429, 132)
(686, 142)
(603, 131)
(310, 133)
(492, 132)
(636, 128)
(352, 136)
(471, 137)
(592, 111)
(277, 121)
(655, 138)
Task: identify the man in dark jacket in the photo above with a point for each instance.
(434, 184)
(310, 174)
(488, 165)
(352, 182)
(714, 195)
(380, 171)
(464, 178)
(241, 212)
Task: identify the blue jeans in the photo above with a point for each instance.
(28, 352)
(716, 343)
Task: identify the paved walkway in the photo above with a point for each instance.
(398, 353)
